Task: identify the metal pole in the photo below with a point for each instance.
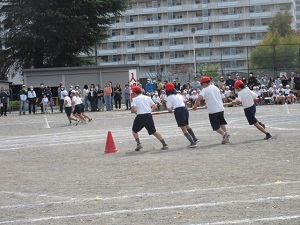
(195, 66)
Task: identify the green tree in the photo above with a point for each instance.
(52, 33)
(279, 49)
(211, 69)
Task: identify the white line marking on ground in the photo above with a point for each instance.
(253, 220)
(74, 200)
(259, 200)
(47, 124)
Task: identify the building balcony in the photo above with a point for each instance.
(203, 58)
(202, 45)
(150, 23)
(151, 36)
(130, 11)
(152, 61)
(150, 10)
(259, 28)
(227, 4)
(152, 49)
(130, 24)
(230, 17)
(175, 8)
(131, 50)
(176, 34)
(132, 62)
(176, 47)
(130, 37)
(109, 63)
(260, 2)
(226, 57)
(175, 21)
(107, 51)
(201, 32)
(177, 60)
(230, 43)
(229, 30)
(261, 15)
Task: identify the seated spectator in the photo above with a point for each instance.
(186, 98)
(163, 98)
(227, 92)
(193, 97)
(224, 99)
(280, 98)
(258, 92)
(231, 98)
(290, 98)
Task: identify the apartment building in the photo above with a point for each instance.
(165, 34)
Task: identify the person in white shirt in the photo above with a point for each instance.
(175, 102)
(76, 107)
(68, 108)
(31, 98)
(245, 97)
(163, 98)
(143, 106)
(82, 107)
(156, 99)
(214, 104)
(45, 103)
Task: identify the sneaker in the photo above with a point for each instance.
(90, 119)
(263, 125)
(138, 147)
(225, 138)
(268, 136)
(165, 147)
(77, 122)
(196, 141)
(70, 124)
(194, 145)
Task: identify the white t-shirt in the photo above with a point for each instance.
(156, 99)
(175, 101)
(143, 104)
(213, 100)
(246, 96)
(75, 100)
(68, 100)
(79, 99)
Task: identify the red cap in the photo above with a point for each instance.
(237, 84)
(136, 88)
(204, 79)
(169, 86)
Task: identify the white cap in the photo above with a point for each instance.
(64, 93)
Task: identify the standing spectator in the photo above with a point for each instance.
(100, 96)
(252, 81)
(143, 106)
(41, 93)
(49, 96)
(4, 95)
(71, 89)
(185, 85)
(61, 98)
(221, 83)
(212, 97)
(85, 94)
(284, 81)
(244, 79)
(92, 97)
(271, 82)
(59, 95)
(127, 97)
(23, 99)
(31, 99)
(112, 95)
(77, 88)
(277, 82)
(291, 80)
(118, 96)
(107, 96)
(264, 80)
(297, 85)
(229, 82)
(160, 86)
(176, 84)
(195, 83)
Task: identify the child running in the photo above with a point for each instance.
(175, 102)
(76, 107)
(214, 104)
(68, 108)
(245, 97)
(82, 107)
(143, 106)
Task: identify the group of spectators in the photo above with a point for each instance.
(95, 98)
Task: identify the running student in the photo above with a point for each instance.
(76, 107)
(245, 97)
(211, 94)
(82, 107)
(143, 106)
(175, 102)
(68, 107)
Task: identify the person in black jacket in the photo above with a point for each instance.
(118, 96)
(92, 97)
(3, 101)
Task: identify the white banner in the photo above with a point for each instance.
(132, 81)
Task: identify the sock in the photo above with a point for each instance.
(189, 137)
(138, 141)
(163, 142)
(191, 132)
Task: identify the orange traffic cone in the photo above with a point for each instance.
(110, 146)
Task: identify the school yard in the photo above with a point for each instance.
(55, 174)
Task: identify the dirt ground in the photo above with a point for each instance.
(57, 174)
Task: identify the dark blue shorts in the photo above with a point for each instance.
(181, 116)
(77, 109)
(250, 114)
(216, 120)
(68, 111)
(82, 107)
(144, 120)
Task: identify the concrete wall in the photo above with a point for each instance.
(78, 76)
